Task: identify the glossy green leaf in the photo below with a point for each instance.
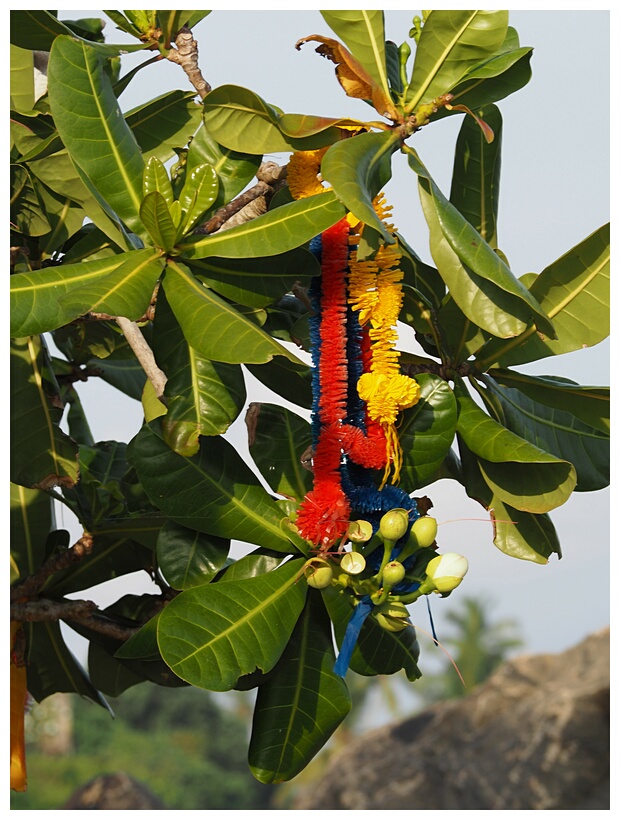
(257, 282)
(234, 169)
(427, 431)
(21, 79)
(519, 473)
(65, 217)
(35, 29)
(357, 169)
(291, 381)
(126, 291)
(492, 80)
(60, 174)
(52, 667)
(92, 127)
(255, 563)
(242, 121)
(157, 220)
(165, 123)
(363, 33)
(213, 634)
(522, 534)
(589, 404)
(278, 440)
(31, 523)
(479, 281)
(109, 675)
(213, 327)
(198, 194)
(476, 174)
(42, 456)
(377, 652)
(301, 704)
(188, 558)
(171, 21)
(27, 214)
(203, 397)
(127, 375)
(156, 179)
(419, 275)
(451, 43)
(574, 292)
(213, 492)
(558, 432)
(275, 232)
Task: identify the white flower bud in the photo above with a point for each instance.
(447, 571)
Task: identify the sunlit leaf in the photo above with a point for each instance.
(188, 558)
(213, 634)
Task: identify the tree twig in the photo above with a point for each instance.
(46, 610)
(32, 584)
(186, 55)
(144, 354)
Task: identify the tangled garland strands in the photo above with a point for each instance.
(358, 389)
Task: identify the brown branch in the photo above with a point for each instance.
(186, 55)
(32, 584)
(46, 610)
(105, 626)
(144, 354)
(78, 374)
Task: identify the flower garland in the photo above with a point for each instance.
(357, 388)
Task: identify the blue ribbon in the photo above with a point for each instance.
(356, 621)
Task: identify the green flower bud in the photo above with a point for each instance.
(393, 573)
(318, 574)
(360, 531)
(446, 571)
(425, 530)
(394, 524)
(353, 563)
(392, 616)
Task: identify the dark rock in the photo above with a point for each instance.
(114, 791)
(534, 736)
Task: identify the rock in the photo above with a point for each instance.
(113, 791)
(535, 735)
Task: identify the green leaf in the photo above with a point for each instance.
(574, 292)
(589, 404)
(377, 652)
(27, 214)
(165, 123)
(42, 456)
(198, 194)
(275, 232)
(212, 635)
(242, 121)
(126, 291)
(213, 492)
(156, 218)
(301, 704)
(522, 534)
(291, 381)
(427, 431)
(188, 558)
(171, 21)
(558, 432)
(22, 79)
(357, 169)
(204, 397)
(451, 43)
(31, 523)
(363, 33)
(519, 473)
(35, 30)
(234, 169)
(127, 375)
(93, 129)
(479, 281)
(212, 326)
(257, 282)
(156, 179)
(476, 173)
(65, 218)
(52, 667)
(278, 439)
(109, 675)
(258, 562)
(420, 276)
(60, 174)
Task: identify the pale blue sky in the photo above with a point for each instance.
(554, 192)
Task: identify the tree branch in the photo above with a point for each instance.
(32, 584)
(144, 354)
(46, 610)
(186, 55)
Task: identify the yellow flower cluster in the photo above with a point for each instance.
(375, 291)
(303, 173)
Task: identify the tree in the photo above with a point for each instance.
(165, 282)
